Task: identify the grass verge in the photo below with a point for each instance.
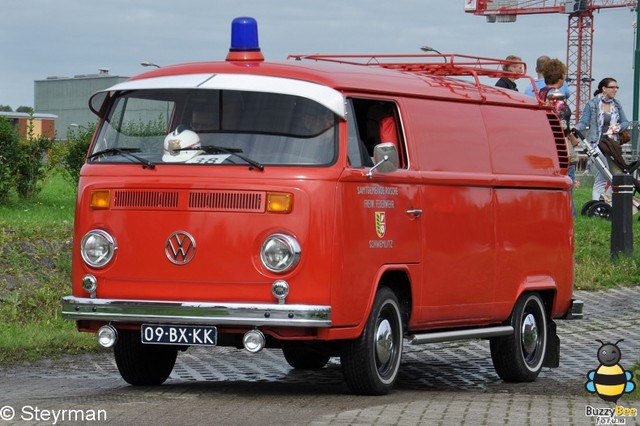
(36, 340)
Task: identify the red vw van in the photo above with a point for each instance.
(329, 206)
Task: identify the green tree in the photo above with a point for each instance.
(27, 109)
(8, 157)
(6, 108)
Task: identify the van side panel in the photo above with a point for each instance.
(450, 149)
(534, 231)
(529, 150)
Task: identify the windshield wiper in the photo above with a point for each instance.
(212, 149)
(126, 152)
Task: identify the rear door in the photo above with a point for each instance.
(457, 224)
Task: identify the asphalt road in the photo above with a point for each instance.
(440, 384)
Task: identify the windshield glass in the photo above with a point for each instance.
(198, 126)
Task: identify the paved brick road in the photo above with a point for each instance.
(440, 384)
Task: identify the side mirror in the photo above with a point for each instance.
(385, 158)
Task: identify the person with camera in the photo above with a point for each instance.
(554, 72)
(604, 117)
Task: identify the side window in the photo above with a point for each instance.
(357, 152)
(372, 122)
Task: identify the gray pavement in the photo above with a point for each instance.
(440, 384)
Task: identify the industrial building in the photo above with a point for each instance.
(68, 97)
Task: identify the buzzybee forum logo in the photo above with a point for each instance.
(610, 380)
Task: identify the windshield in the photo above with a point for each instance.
(198, 126)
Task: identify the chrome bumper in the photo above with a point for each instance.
(170, 312)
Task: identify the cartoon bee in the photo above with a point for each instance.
(609, 380)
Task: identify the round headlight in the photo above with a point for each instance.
(97, 248)
(280, 252)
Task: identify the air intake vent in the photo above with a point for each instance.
(243, 201)
(146, 199)
(561, 143)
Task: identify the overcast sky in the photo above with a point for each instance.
(42, 38)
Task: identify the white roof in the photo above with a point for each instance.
(324, 95)
(36, 115)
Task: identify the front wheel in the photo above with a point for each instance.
(519, 357)
(140, 364)
(371, 362)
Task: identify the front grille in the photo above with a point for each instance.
(146, 199)
(213, 200)
(239, 201)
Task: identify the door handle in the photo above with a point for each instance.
(414, 212)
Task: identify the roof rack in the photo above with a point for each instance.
(449, 64)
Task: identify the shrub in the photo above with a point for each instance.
(75, 152)
(31, 167)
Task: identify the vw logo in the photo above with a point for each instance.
(180, 248)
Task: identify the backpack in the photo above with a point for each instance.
(554, 98)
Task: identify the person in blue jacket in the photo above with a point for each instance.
(603, 116)
(540, 80)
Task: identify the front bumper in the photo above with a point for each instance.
(196, 313)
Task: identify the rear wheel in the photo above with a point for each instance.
(143, 364)
(519, 357)
(600, 209)
(585, 207)
(305, 358)
(371, 362)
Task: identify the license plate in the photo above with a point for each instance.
(178, 335)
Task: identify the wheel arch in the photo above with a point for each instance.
(546, 288)
(399, 282)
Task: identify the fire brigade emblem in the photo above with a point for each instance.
(381, 224)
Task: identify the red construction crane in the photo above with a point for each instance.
(579, 32)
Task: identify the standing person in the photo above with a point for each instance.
(539, 82)
(603, 115)
(510, 82)
(554, 73)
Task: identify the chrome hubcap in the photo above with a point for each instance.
(529, 334)
(384, 341)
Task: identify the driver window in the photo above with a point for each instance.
(372, 122)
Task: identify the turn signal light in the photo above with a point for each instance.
(100, 199)
(278, 202)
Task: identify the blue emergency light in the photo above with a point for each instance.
(244, 35)
(244, 42)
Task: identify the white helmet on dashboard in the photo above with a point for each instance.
(177, 141)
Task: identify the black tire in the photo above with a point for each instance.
(600, 209)
(143, 365)
(302, 358)
(371, 362)
(585, 207)
(519, 357)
